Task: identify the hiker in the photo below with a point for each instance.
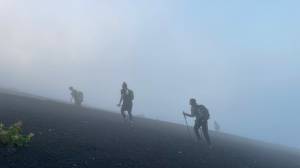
(126, 99)
(202, 115)
(76, 96)
(217, 126)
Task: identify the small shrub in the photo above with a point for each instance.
(11, 136)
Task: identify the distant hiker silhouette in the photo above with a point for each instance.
(76, 96)
(217, 126)
(126, 100)
(202, 115)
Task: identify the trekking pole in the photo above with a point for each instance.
(187, 126)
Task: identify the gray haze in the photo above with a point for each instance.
(239, 59)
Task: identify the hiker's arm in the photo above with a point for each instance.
(121, 99)
(187, 114)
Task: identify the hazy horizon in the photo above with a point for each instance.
(240, 59)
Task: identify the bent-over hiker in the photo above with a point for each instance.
(76, 96)
(126, 100)
(202, 115)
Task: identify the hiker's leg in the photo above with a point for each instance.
(130, 112)
(196, 129)
(123, 112)
(130, 115)
(205, 132)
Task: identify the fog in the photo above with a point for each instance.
(240, 59)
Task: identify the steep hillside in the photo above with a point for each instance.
(67, 136)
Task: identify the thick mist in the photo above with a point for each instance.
(239, 59)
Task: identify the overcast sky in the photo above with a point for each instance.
(239, 58)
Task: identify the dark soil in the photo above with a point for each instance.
(68, 136)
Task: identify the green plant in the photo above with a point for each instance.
(11, 136)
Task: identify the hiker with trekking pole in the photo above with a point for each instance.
(202, 115)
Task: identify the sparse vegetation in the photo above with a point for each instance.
(12, 136)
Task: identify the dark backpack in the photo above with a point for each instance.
(127, 97)
(131, 95)
(203, 112)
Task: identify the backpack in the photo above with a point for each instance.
(131, 95)
(204, 113)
